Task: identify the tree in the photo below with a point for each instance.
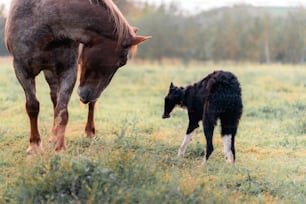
(3, 50)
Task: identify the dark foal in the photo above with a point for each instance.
(44, 35)
(217, 96)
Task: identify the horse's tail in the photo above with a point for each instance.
(7, 24)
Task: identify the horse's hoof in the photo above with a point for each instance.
(90, 135)
(52, 140)
(59, 149)
(35, 149)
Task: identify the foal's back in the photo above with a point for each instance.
(224, 91)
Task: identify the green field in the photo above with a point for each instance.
(133, 158)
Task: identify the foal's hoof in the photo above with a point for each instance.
(35, 149)
(180, 154)
(229, 158)
(204, 162)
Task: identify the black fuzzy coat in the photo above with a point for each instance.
(216, 96)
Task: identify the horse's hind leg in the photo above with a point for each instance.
(90, 129)
(32, 107)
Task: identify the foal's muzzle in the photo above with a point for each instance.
(166, 116)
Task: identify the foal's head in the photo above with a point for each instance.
(175, 97)
(99, 62)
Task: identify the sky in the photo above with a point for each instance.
(196, 5)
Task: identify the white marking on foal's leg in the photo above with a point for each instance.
(184, 145)
(204, 160)
(227, 141)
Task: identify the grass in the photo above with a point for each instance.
(133, 159)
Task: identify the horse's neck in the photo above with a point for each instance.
(79, 20)
(45, 21)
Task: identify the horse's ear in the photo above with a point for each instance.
(139, 39)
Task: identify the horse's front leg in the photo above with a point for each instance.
(52, 80)
(90, 129)
(66, 81)
(32, 107)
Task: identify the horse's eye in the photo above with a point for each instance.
(126, 46)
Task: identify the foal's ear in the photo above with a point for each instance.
(139, 39)
(171, 85)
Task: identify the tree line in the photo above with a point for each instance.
(3, 50)
(238, 33)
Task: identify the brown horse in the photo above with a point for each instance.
(45, 35)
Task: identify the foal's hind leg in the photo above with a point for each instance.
(32, 107)
(229, 149)
(90, 129)
(209, 122)
(228, 130)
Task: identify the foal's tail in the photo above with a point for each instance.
(222, 81)
(225, 100)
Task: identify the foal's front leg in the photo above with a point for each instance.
(192, 125)
(90, 129)
(66, 83)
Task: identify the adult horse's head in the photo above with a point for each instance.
(102, 56)
(99, 62)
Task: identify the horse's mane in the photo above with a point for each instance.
(122, 27)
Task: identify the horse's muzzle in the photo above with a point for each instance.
(86, 95)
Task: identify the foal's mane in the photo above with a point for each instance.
(122, 27)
